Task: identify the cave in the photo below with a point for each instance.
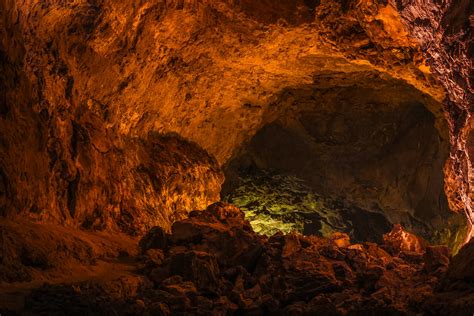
(355, 154)
(236, 157)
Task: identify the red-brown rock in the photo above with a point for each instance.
(400, 240)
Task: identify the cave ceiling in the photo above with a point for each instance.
(340, 130)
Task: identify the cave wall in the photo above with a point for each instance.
(84, 83)
(64, 161)
(444, 33)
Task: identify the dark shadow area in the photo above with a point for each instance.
(270, 12)
(366, 153)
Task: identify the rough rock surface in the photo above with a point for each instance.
(454, 294)
(214, 264)
(117, 115)
(37, 252)
(84, 82)
(133, 184)
(444, 33)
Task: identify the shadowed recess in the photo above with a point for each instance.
(356, 156)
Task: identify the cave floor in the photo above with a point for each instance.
(12, 295)
(213, 263)
(35, 254)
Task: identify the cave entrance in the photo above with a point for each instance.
(357, 156)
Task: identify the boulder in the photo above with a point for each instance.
(462, 265)
(436, 257)
(341, 240)
(156, 238)
(400, 240)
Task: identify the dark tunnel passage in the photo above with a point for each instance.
(355, 157)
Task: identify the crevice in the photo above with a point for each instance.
(72, 190)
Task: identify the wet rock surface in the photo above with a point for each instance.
(214, 264)
(280, 201)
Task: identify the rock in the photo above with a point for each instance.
(35, 250)
(179, 288)
(295, 309)
(86, 85)
(443, 34)
(231, 270)
(304, 280)
(341, 240)
(377, 254)
(186, 232)
(225, 306)
(154, 257)
(400, 240)
(321, 306)
(140, 303)
(436, 257)
(98, 161)
(225, 212)
(203, 303)
(412, 256)
(342, 272)
(462, 265)
(291, 245)
(453, 295)
(369, 277)
(330, 250)
(156, 238)
(160, 309)
(123, 254)
(267, 304)
(356, 247)
(357, 259)
(230, 239)
(198, 267)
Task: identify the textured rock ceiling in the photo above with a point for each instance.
(85, 82)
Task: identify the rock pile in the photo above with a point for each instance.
(454, 294)
(213, 263)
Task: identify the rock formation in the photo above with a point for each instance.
(81, 80)
(444, 33)
(213, 263)
(120, 119)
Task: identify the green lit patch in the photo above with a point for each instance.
(454, 234)
(283, 203)
(273, 203)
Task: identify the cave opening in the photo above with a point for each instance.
(354, 154)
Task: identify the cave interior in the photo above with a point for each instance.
(356, 153)
(236, 157)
